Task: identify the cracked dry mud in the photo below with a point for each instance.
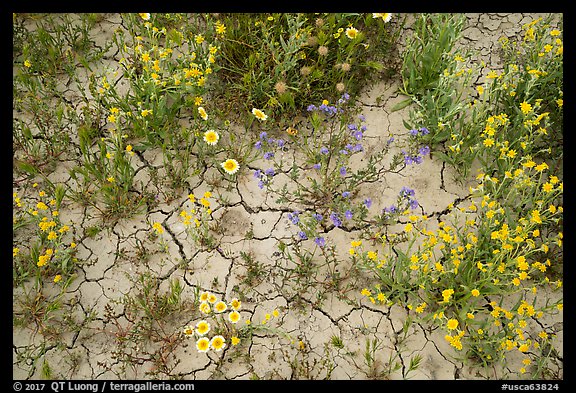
(252, 222)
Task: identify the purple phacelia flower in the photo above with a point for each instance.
(268, 155)
(269, 172)
(424, 151)
(263, 134)
(413, 132)
(358, 135)
(294, 217)
(343, 171)
(407, 159)
(317, 166)
(390, 209)
(317, 217)
(320, 241)
(363, 128)
(335, 219)
(424, 131)
(258, 174)
(348, 214)
(368, 202)
(311, 108)
(352, 127)
(324, 150)
(280, 143)
(358, 147)
(346, 194)
(405, 191)
(302, 235)
(258, 145)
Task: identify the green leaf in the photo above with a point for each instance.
(27, 167)
(442, 156)
(59, 193)
(401, 105)
(375, 65)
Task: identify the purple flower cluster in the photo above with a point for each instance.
(421, 131)
(294, 217)
(368, 202)
(409, 195)
(390, 209)
(264, 177)
(335, 219)
(422, 152)
(352, 148)
(330, 110)
(406, 198)
(270, 143)
(410, 159)
(345, 97)
(417, 158)
(357, 131)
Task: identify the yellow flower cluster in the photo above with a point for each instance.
(45, 215)
(197, 214)
(211, 306)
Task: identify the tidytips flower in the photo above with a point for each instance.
(204, 308)
(203, 113)
(188, 331)
(220, 307)
(218, 343)
(384, 16)
(351, 33)
(230, 166)
(259, 114)
(235, 304)
(212, 298)
(202, 327)
(234, 316)
(211, 137)
(203, 344)
(204, 296)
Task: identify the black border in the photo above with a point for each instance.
(308, 6)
